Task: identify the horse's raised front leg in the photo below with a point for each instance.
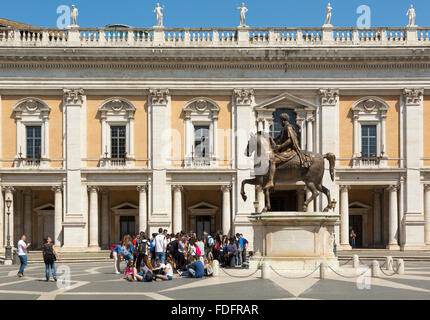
(313, 189)
(244, 182)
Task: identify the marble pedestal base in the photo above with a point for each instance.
(294, 240)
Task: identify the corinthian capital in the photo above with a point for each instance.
(413, 97)
(73, 96)
(244, 97)
(328, 97)
(159, 97)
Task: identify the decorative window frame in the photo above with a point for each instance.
(117, 111)
(370, 111)
(31, 112)
(201, 111)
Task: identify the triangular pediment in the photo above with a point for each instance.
(288, 98)
(45, 207)
(358, 205)
(203, 205)
(125, 206)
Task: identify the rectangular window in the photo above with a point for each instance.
(201, 142)
(118, 142)
(34, 142)
(368, 141)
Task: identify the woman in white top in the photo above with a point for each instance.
(168, 270)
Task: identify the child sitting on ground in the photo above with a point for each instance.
(130, 272)
(167, 272)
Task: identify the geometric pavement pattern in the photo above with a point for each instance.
(96, 280)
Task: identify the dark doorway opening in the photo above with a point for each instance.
(284, 201)
(127, 226)
(356, 224)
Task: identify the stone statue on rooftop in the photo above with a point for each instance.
(412, 15)
(328, 17)
(158, 11)
(74, 14)
(243, 11)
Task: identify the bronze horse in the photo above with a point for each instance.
(260, 145)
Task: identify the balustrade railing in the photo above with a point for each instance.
(215, 37)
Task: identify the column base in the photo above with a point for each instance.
(7, 263)
(393, 247)
(345, 247)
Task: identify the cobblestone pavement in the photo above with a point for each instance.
(96, 280)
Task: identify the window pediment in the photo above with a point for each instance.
(201, 107)
(370, 105)
(117, 107)
(30, 107)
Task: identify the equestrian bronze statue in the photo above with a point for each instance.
(282, 160)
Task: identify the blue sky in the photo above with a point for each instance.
(217, 13)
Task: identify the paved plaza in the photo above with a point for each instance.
(96, 280)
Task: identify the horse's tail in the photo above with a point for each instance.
(332, 161)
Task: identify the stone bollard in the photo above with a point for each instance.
(215, 264)
(265, 270)
(323, 270)
(355, 262)
(400, 266)
(375, 269)
(389, 263)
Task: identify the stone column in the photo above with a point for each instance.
(310, 132)
(58, 218)
(8, 194)
(427, 213)
(344, 217)
(377, 230)
(28, 217)
(329, 137)
(226, 212)
(143, 211)
(94, 216)
(177, 208)
(105, 218)
(393, 223)
(414, 192)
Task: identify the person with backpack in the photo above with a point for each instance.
(200, 248)
(209, 243)
(146, 270)
(49, 257)
(141, 249)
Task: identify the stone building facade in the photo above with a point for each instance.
(111, 131)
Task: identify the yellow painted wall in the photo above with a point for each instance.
(94, 130)
(224, 127)
(426, 119)
(346, 129)
(9, 128)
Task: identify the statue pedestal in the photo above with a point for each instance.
(294, 240)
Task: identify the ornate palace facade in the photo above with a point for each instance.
(111, 131)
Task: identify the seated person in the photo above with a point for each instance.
(158, 267)
(195, 269)
(167, 272)
(146, 270)
(130, 272)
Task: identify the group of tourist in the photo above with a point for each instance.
(149, 258)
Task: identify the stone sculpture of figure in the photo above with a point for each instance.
(158, 10)
(243, 11)
(74, 13)
(328, 18)
(412, 16)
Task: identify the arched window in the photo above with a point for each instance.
(275, 129)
